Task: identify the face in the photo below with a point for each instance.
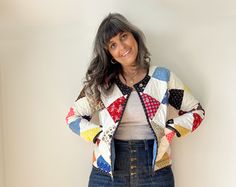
(124, 48)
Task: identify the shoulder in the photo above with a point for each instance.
(160, 73)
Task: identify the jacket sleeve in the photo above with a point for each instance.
(78, 119)
(188, 110)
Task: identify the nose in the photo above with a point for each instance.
(123, 46)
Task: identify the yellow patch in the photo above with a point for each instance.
(186, 88)
(90, 134)
(183, 131)
(165, 161)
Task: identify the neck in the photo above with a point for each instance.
(132, 74)
(130, 70)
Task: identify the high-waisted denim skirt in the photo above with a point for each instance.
(133, 168)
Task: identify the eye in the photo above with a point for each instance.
(123, 36)
(113, 46)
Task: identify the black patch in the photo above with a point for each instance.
(87, 117)
(176, 98)
(140, 86)
(123, 88)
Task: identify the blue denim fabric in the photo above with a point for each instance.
(133, 168)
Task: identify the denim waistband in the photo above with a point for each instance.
(134, 143)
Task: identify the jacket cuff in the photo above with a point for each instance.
(170, 125)
(96, 137)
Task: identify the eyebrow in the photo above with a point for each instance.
(120, 33)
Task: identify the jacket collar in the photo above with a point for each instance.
(139, 86)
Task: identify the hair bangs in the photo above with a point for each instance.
(111, 29)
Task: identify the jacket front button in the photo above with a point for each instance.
(140, 85)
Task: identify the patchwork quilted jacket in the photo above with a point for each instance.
(171, 110)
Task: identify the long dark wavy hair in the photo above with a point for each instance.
(101, 73)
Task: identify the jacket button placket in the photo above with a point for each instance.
(133, 162)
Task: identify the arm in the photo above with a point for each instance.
(188, 109)
(78, 119)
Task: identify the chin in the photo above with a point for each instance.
(128, 62)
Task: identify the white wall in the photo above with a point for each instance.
(45, 47)
(1, 136)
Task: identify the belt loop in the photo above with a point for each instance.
(146, 144)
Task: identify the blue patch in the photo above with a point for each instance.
(154, 152)
(165, 99)
(113, 155)
(161, 74)
(103, 165)
(75, 126)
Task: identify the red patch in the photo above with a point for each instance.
(97, 141)
(71, 113)
(170, 136)
(197, 121)
(151, 105)
(116, 108)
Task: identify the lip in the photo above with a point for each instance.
(126, 53)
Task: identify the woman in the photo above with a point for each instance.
(140, 107)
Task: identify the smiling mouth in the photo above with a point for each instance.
(126, 53)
